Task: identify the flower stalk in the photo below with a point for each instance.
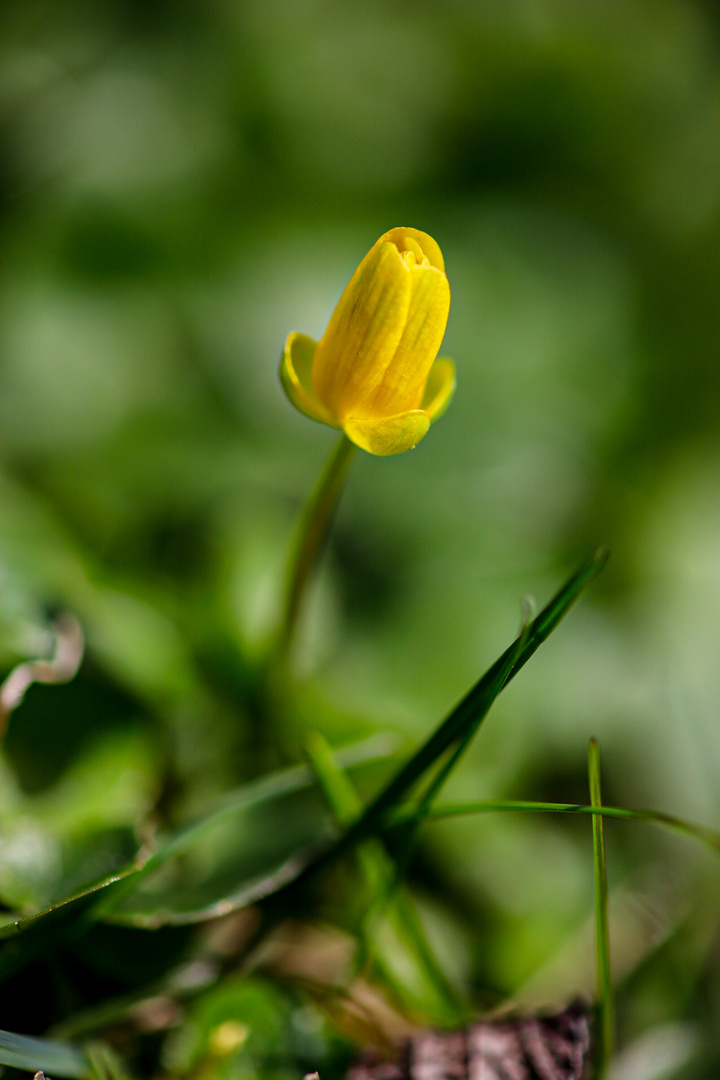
(311, 538)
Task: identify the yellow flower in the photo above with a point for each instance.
(374, 372)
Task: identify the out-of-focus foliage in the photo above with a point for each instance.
(181, 185)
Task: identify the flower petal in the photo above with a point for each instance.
(392, 435)
(364, 331)
(296, 377)
(407, 372)
(439, 388)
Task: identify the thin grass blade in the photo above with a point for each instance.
(606, 1000)
(388, 899)
(710, 837)
(474, 707)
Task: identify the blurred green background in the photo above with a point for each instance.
(181, 185)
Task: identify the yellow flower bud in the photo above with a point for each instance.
(374, 372)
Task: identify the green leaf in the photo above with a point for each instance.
(252, 843)
(405, 815)
(54, 1058)
(237, 885)
(242, 858)
(474, 707)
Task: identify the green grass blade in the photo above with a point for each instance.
(606, 1000)
(339, 793)
(105, 1063)
(32, 1054)
(389, 898)
(425, 803)
(709, 837)
(446, 769)
(38, 936)
(472, 710)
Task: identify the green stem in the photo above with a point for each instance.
(312, 534)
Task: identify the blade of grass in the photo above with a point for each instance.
(437, 783)
(701, 833)
(606, 1001)
(422, 808)
(472, 710)
(380, 877)
(340, 795)
(105, 1063)
(35, 936)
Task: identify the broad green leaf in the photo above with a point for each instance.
(253, 842)
(252, 868)
(229, 860)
